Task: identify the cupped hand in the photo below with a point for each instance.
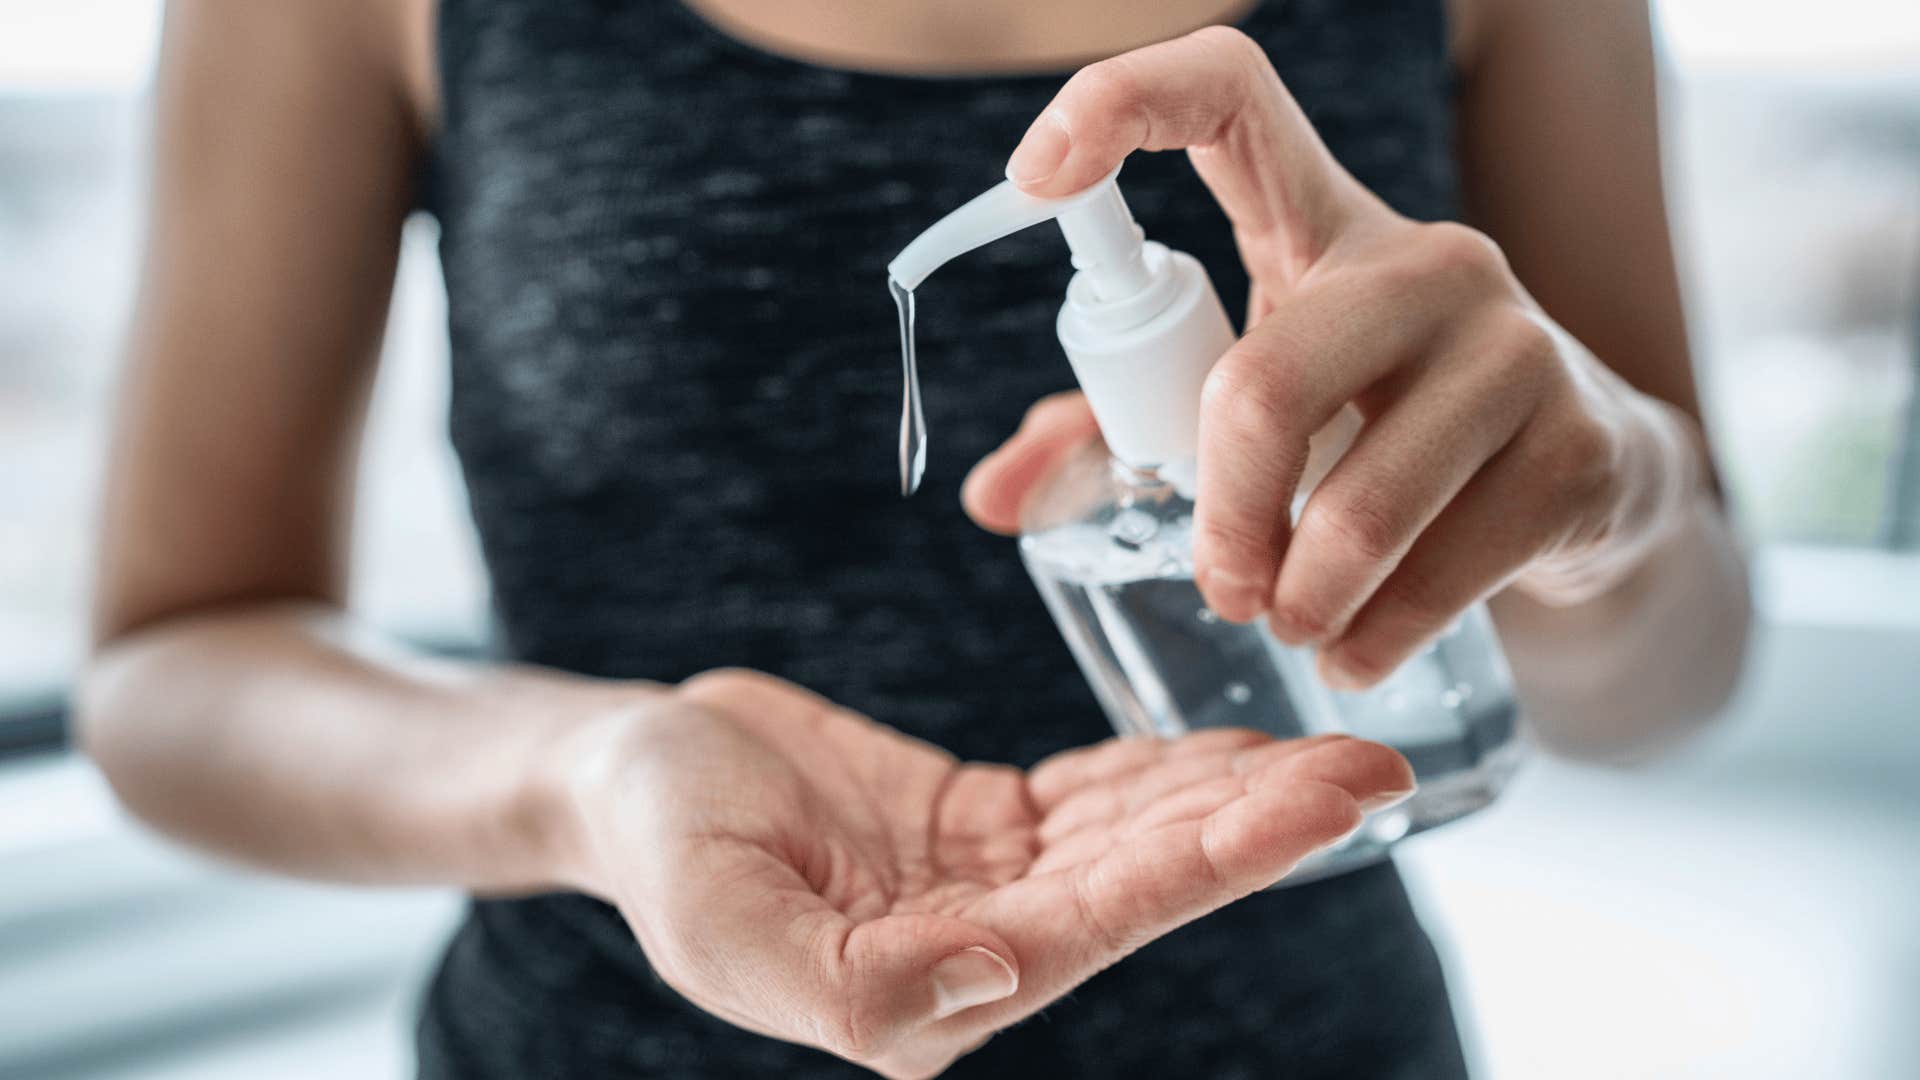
(810, 874)
(1493, 447)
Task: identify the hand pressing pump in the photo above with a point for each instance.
(1108, 539)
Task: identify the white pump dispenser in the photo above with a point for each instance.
(1141, 323)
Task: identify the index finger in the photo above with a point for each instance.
(1215, 94)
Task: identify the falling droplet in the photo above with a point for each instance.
(1239, 693)
(913, 421)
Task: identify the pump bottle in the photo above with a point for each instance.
(1108, 539)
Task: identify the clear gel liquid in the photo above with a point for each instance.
(913, 421)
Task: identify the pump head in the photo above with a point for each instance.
(1141, 324)
(1107, 246)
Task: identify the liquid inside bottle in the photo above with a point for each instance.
(1111, 551)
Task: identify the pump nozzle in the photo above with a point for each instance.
(1107, 246)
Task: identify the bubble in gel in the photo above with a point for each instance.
(1133, 526)
(1239, 693)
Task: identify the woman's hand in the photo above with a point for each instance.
(809, 874)
(1494, 446)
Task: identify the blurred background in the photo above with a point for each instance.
(1745, 908)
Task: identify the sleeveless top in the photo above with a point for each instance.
(675, 388)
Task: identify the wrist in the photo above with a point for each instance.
(565, 789)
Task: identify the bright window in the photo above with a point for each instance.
(72, 75)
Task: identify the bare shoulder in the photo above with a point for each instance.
(378, 48)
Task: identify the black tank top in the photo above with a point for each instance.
(675, 390)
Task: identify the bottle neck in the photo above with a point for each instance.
(1151, 485)
(1153, 482)
(1146, 477)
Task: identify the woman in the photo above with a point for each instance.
(664, 228)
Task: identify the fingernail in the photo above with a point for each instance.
(972, 977)
(1387, 801)
(1235, 599)
(1041, 151)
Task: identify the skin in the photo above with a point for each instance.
(904, 906)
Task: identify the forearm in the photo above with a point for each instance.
(1647, 661)
(286, 737)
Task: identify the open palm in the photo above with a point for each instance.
(810, 874)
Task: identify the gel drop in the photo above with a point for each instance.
(913, 419)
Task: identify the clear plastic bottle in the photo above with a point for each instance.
(1110, 548)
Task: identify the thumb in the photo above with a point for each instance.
(753, 943)
(1055, 427)
(894, 976)
(915, 969)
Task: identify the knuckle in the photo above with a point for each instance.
(1586, 449)
(856, 1025)
(1403, 277)
(1328, 805)
(1244, 401)
(1232, 41)
(1579, 458)
(724, 682)
(843, 1024)
(1522, 343)
(1297, 619)
(1594, 472)
(1420, 602)
(1366, 661)
(1232, 547)
(848, 1033)
(1109, 87)
(1451, 249)
(1360, 526)
(1107, 938)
